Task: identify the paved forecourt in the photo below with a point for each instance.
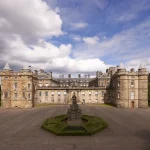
(129, 129)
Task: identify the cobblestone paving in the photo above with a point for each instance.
(129, 129)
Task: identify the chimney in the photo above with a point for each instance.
(41, 70)
(132, 70)
(35, 72)
(69, 75)
(79, 75)
(50, 74)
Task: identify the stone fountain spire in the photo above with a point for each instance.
(74, 112)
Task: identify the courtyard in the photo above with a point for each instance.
(129, 129)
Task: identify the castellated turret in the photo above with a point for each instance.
(121, 92)
(143, 86)
(18, 88)
(25, 89)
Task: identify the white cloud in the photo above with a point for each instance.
(31, 19)
(126, 17)
(79, 25)
(77, 38)
(130, 44)
(91, 40)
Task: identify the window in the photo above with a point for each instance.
(102, 93)
(6, 94)
(40, 93)
(118, 94)
(118, 83)
(65, 93)
(132, 95)
(46, 93)
(52, 93)
(15, 85)
(132, 83)
(15, 95)
(58, 93)
(29, 96)
(52, 98)
(89, 93)
(40, 84)
(6, 78)
(46, 84)
(83, 94)
(29, 86)
(23, 94)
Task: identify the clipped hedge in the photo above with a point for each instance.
(58, 126)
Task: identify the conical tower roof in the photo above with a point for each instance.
(121, 66)
(26, 67)
(141, 65)
(7, 67)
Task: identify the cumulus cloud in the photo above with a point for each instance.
(130, 44)
(91, 40)
(31, 19)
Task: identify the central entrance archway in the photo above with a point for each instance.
(132, 104)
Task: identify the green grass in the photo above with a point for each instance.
(56, 126)
(48, 104)
(98, 104)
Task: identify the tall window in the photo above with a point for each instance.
(46, 93)
(40, 93)
(118, 94)
(102, 93)
(132, 95)
(15, 85)
(58, 93)
(29, 86)
(83, 94)
(52, 93)
(6, 94)
(15, 95)
(29, 96)
(89, 93)
(132, 83)
(118, 83)
(23, 94)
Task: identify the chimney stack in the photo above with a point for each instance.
(35, 72)
(69, 75)
(79, 75)
(50, 74)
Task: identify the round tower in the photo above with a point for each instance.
(121, 87)
(142, 86)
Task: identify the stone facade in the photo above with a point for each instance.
(122, 88)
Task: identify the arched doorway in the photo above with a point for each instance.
(132, 104)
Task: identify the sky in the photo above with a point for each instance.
(74, 36)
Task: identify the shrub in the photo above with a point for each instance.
(58, 126)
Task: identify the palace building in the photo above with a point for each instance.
(122, 88)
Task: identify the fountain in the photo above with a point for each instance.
(74, 123)
(74, 113)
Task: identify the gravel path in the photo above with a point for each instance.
(129, 129)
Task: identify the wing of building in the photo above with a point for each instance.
(122, 88)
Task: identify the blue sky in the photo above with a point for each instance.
(75, 35)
